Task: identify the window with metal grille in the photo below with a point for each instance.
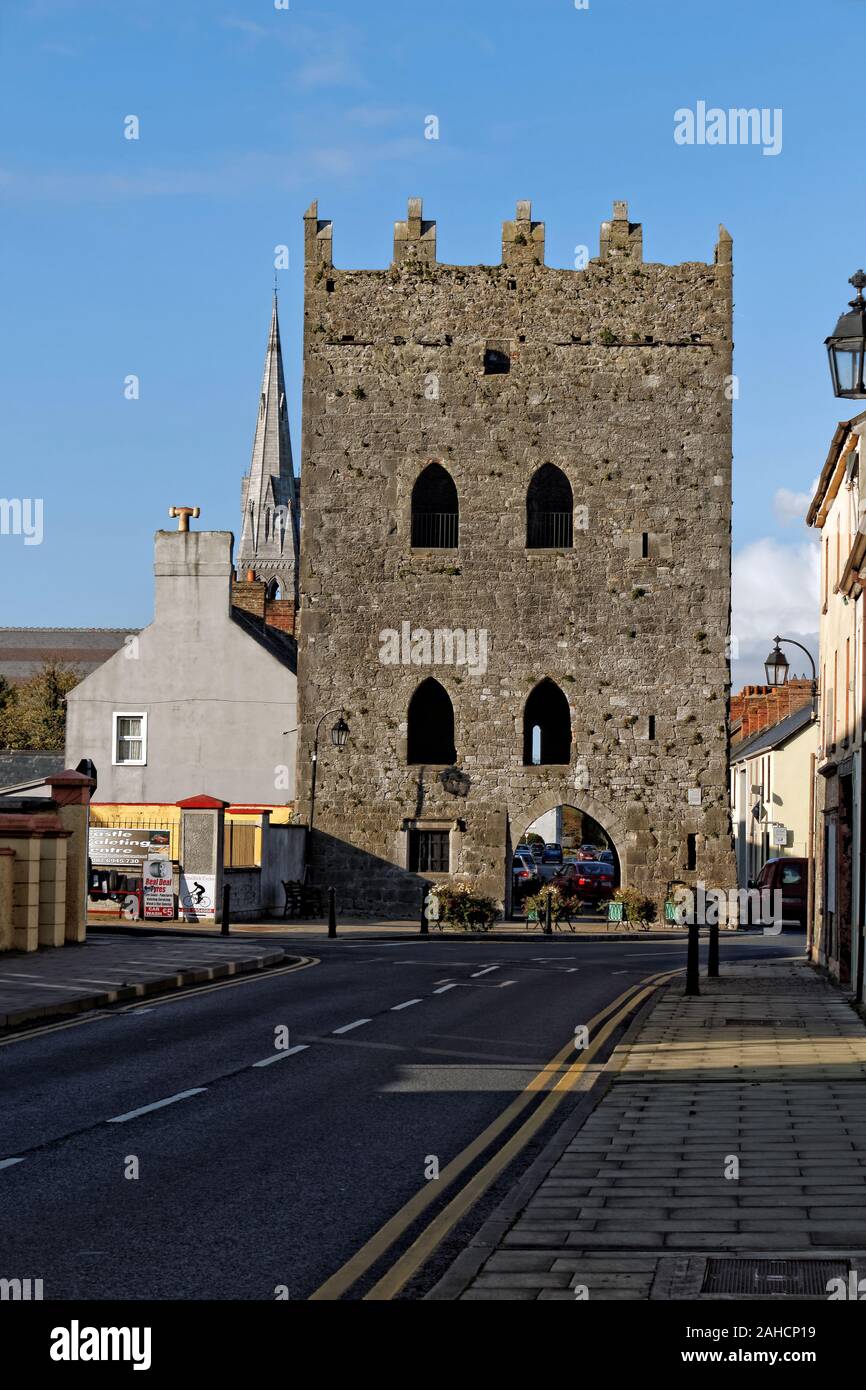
(429, 851)
(549, 510)
(435, 510)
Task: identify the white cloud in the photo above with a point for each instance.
(775, 590)
(789, 506)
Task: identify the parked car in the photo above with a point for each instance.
(587, 852)
(551, 854)
(525, 878)
(536, 849)
(606, 856)
(589, 881)
(790, 877)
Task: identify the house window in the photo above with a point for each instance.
(549, 510)
(130, 739)
(435, 510)
(429, 851)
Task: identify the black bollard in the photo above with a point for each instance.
(225, 920)
(425, 925)
(548, 917)
(692, 981)
(332, 912)
(713, 952)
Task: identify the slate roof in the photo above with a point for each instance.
(774, 736)
(24, 650)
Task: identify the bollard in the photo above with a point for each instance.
(692, 966)
(548, 918)
(425, 925)
(332, 912)
(225, 920)
(713, 952)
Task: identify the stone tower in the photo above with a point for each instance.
(269, 508)
(515, 559)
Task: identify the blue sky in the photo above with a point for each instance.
(155, 256)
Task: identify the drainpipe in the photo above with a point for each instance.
(810, 887)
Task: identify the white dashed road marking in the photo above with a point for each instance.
(278, 1056)
(443, 988)
(486, 971)
(408, 1003)
(157, 1105)
(347, 1027)
(7, 1162)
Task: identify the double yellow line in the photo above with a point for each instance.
(556, 1087)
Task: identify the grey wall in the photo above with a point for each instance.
(217, 701)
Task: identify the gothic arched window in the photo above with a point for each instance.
(430, 734)
(549, 510)
(435, 509)
(546, 726)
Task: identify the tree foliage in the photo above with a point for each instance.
(33, 712)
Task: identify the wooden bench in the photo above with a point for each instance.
(303, 899)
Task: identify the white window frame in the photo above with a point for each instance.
(117, 761)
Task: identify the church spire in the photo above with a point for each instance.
(269, 508)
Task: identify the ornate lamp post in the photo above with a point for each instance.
(777, 666)
(846, 347)
(339, 735)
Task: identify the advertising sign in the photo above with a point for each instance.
(196, 897)
(157, 888)
(121, 847)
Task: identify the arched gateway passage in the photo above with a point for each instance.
(563, 831)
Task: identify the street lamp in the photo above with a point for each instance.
(846, 347)
(777, 666)
(339, 735)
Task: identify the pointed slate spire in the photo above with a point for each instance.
(269, 508)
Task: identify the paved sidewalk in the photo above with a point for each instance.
(50, 983)
(766, 1069)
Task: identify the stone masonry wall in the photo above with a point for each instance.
(619, 376)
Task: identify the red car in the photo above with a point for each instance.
(590, 880)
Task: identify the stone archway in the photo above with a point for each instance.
(567, 795)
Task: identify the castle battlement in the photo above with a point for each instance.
(620, 240)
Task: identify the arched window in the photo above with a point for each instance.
(435, 509)
(430, 736)
(273, 589)
(546, 726)
(549, 510)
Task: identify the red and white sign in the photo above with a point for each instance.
(157, 888)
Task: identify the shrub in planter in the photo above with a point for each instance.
(636, 906)
(460, 907)
(562, 903)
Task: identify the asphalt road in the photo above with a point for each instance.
(265, 1174)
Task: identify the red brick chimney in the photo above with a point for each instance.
(757, 707)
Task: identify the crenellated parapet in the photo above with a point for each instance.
(415, 239)
(318, 239)
(522, 240)
(620, 239)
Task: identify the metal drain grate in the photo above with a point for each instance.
(785, 1278)
(755, 1023)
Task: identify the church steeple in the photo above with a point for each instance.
(269, 506)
